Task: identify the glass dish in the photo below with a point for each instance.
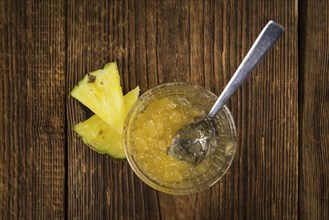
(219, 159)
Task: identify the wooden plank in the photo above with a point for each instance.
(266, 105)
(89, 174)
(264, 175)
(100, 32)
(314, 114)
(32, 112)
(173, 41)
(265, 171)
(142, 67)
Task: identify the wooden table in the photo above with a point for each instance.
(281, 166)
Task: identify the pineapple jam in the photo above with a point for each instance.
(154, 130)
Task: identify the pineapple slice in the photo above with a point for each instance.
(101, 92)
(130, 98)
(101, 137)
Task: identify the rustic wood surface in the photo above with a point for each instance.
(314, 110)
(281, 166)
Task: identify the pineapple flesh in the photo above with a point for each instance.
(101, 92)
(101, 137)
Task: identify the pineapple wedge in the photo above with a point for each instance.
(101, 137)
(101, 92)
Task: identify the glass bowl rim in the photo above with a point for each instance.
(152, 183)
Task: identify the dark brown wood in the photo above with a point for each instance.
(314, 105)
(169, 41)
(265, 172)
(32, 112)
(281, 166)
(98, 32)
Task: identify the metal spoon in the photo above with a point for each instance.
(192, 142)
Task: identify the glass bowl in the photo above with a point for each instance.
(200, 176)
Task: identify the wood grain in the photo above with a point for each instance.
(281, 166)
(98, 32)
(200, 42)
(88, 37)
(314, 105)
(32, 122)
(266, 168)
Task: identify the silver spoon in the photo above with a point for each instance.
(192, 142)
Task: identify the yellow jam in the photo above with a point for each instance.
(153, 132)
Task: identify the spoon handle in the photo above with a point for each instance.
(264, 42)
